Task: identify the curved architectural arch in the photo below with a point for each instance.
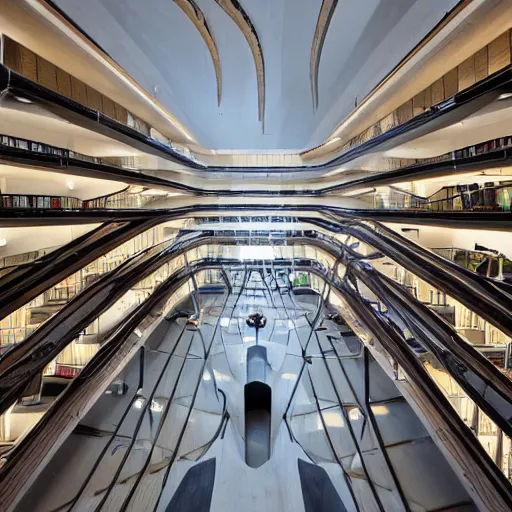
(196, 16)
(237, 13)
(322, 26)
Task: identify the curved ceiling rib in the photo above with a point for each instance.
(322, 26)
(236, 12)
(196, 16)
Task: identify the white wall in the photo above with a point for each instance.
(27, 239)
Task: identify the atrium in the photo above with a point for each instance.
(255, 255)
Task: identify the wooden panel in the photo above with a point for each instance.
(428, 97)
(388, 122)
(467, 76)
(451, 83)
(377, 129)
(481, 64)
(437, 89)
(94, 99)
(404, 112)
(12, 54)
(28, 64)
(78, 91)
(47, 74)
(121, 113)
(499, 53)
(140, 125)
(108, 107)
(369, 133)
(64, 83)
(421, 102)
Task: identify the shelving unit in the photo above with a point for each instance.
(17, 326)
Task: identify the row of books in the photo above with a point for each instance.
(121, 200)
(483, 147)
(26, 257)
(12, 336)
(272, 218)
(469, 151)
(38, 147)
(69, 372)
(33, 201)
(29, 145)
(14, 320)
(14, 327)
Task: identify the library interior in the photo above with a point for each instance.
(255, 255)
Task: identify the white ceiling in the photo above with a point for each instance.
(160, 47)
(23, 180)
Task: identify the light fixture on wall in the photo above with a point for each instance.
(70, 184)
(3, 242)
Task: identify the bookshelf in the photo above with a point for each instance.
(474, 328)
(35, 201)
(7, 263)
(17, 326)
(124, 199)
(125, 162)
(486, 431)
(467, 197)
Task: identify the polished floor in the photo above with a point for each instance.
(217, 416)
